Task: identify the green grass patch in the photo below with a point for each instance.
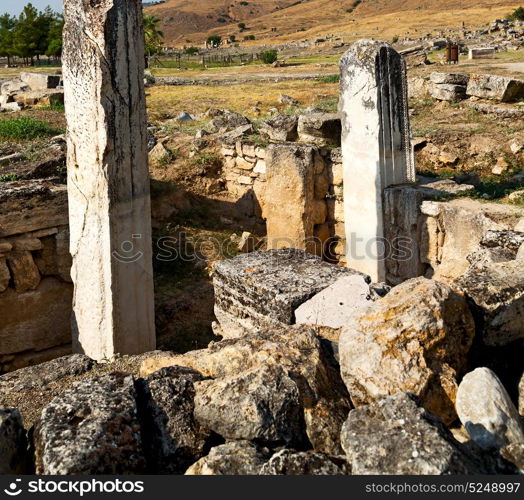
(8, 178)
(330, 79)
(26, 128)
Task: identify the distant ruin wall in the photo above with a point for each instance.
(35, 285)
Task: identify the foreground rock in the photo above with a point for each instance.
(226, 121)
(261, 406)
(173, 438)
(281, 128)
(305, 359)
(486, 411)
(499, 88)
(42, 374)
(91, 429)
(237, 458)
(13, 443)
(415, 339)
(397, 436)
(497, 290)
(292, 463)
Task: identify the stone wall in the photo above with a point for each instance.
(246, 171)
(35, 284)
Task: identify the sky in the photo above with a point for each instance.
(16, 6)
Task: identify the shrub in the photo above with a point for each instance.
(249, 37)
(269, 56)
(26, 128)
(517, 15)
(191, 50)
(394, 39)
(8, 178)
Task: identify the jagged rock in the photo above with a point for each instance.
(281, 128)
(486, 411)
(227, 121)
(514, 453)
(236, 458)
(173, 439)
(306, 359)
(91, 428)
(320, 129)
(497, 290)
(285, 99)
(292, 463)
(500, 110)
(40, 375)
(262, 405)
(496, 246)
(12, 87)
(13, 443)
(449, 78)
(500, 88)
(159, 154)
(237, 133)
(397, 436)
(263, 289)
(184, 117)
(413, 340)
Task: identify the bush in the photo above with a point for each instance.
(242, 26)
(269, 56)
(26, 129)
(191, 50)
(517, 15)
(394, 39)
(249, 37)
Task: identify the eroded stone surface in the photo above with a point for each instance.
(500, 88)
(292, 463)
(415, 339)
(397, 436)
(13, 443)
(173, 439)
(91, 428)
(487, 412)
(306, 359)
(261, 406)
(237, 458)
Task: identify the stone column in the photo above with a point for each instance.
(376, 147)
(108, 178)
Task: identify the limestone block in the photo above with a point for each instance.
(320, 129)
(25, 272)
(281, 128)
(40, 98)
(335, 305)
(37, 319)
(288, 208)
(46, 258)
(26, 243)
(481, 53)
(243, 164)
(486, 411)
(448, 92)
(500, 88)
(108, 178)
(5, 276)
(38, 81)
(337, 174)
(265, 288)
(245, 180)
(376, 145)
(415, 339)
(63, 255)
(260, 167)
(321, 186)
(319, 208)
(449, 78)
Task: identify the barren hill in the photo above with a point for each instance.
(279, 21)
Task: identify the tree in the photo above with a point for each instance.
(28, 34)
(54, 38)
(214, 41)
(153, 36)
(7, 25)
(242, 26)
(269, 56)
(517, 15)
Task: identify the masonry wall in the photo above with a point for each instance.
(35, 284)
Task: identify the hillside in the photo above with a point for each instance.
(280, 21)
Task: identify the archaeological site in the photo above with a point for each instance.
(262, 238)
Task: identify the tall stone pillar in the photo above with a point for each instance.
(108, 178)
(376, 148)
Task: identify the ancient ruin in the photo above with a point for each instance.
(280, 290)
(109, 204)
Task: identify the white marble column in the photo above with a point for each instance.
(376, 147)
(108, 178)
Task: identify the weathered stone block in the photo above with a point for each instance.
(281, 128)
(500, 88)
(320, 129)
(449, 78)
(262, 289)
(39, 81)
(448, 92)
(25, 272)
